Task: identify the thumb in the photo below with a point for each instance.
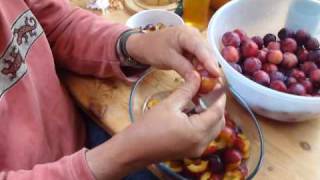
(180, 97)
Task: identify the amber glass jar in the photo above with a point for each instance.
(196, 13)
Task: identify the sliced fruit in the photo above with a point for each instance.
(207, 84)
(232, 159)
(232, 166)
(227, 135)
(188, 161)
(175, 166)
(216, 177)
(216, 164)
(246, 155)
(243, 145)
(212, 148)
(233, 175)
(221, 144)
(206, 176)
(152, 102)
(198, 167)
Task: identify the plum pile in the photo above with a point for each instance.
(289, 63)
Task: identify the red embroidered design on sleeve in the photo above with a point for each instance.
(14, 63)
(23, 31)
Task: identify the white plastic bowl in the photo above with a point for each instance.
(259, 17)
(154, 16)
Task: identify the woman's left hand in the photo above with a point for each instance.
(172, 48)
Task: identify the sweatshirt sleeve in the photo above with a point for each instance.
(72, 167)
(81, 41)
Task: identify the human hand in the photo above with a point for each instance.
(172, 48)
(166, 132)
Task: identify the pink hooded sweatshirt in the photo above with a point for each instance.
(41, 135)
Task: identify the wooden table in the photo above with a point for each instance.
(292, 151)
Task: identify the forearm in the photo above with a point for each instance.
(72, 167)
(81, 41)
(115, 158)
(107, 162)
(86, 44)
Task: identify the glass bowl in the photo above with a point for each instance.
(160, 83)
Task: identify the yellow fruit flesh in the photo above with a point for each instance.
(206, 176)
(198, 168)
(152, 102)
(246, 149)
(233, 175)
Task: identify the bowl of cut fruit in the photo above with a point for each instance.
(270, 54)
(153, 17)
(236, 154)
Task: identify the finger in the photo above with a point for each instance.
(215, 131)
(181, 65)
(195, 45)
(211, 116)
(212, 57)
(205, 57)
(183, 95)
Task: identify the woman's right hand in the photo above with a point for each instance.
(166, 132)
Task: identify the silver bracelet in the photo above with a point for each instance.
(125, 59)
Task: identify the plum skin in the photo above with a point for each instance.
(275, 56)
(261, 77)
(269, 38)
(252, 65)
(231, 39)
(289, 45)
(279, 86)
(231, 54)
(297, 89)
(290, 60)
(249, 48)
